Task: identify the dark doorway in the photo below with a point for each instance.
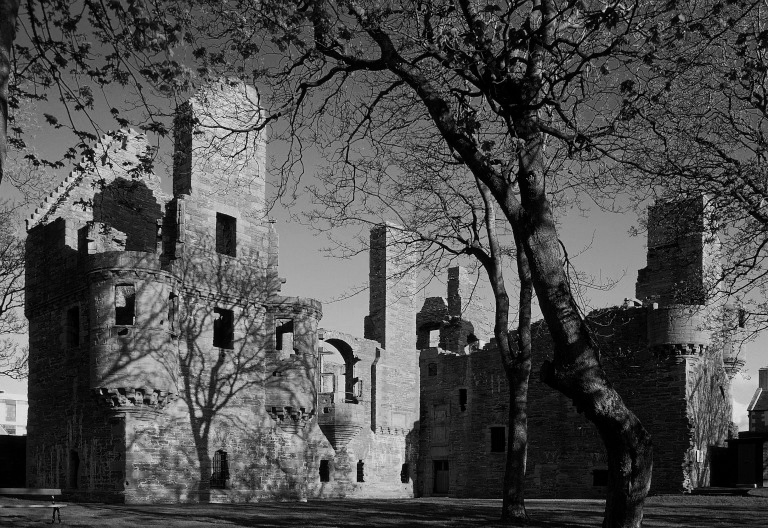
(220, 474)
(74, 469)
(442, 482)
(13, 461)
(325, 471)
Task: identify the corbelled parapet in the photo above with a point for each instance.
(134, 352)
(339, 421)
(678, 330)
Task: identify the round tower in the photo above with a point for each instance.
(133, 324)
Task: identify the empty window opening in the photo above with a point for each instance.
(125, 304)
(463, 399)
(220, 474)
(74, 469)
(432, 369)
(405, 474)
(73, 326)
(498, 439)
(325, 471)
(284, 334)
(226, 233)
(599, 477)
(360, 471)
(224, 328)
(441, 473)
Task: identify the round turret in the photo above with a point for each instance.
(680, 326)
(290, 392)
(134, 356)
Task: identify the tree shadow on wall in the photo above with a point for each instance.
(248, 403)
(203, 329)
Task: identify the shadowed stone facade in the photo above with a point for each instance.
(166, 365)
(670, 357)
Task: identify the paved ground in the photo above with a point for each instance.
(663, 511)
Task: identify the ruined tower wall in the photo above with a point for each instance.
(191, 377)
(391, 322)
(73, 442)
(677, 398)
(683, 254)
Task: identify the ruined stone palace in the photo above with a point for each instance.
(166, 365)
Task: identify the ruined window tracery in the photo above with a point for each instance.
(125, 304)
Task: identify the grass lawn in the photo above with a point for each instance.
(663, 511)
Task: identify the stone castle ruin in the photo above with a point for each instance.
(166, 365)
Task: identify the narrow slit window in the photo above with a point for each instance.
(220, 474)
(284, 334)
(226, 234)
(325, 471)
(125, 304)
(360, 471)
(498, 439)
(73, 326)
(223, 328)
(463, 399)
(173, 310)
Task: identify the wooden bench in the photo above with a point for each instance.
(35, 492)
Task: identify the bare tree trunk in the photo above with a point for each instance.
(576, 370)
(9, 11)
(517, 452)
(517, 362)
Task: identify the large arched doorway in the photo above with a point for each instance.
(338, 360)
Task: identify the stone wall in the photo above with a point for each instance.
(678, 398)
